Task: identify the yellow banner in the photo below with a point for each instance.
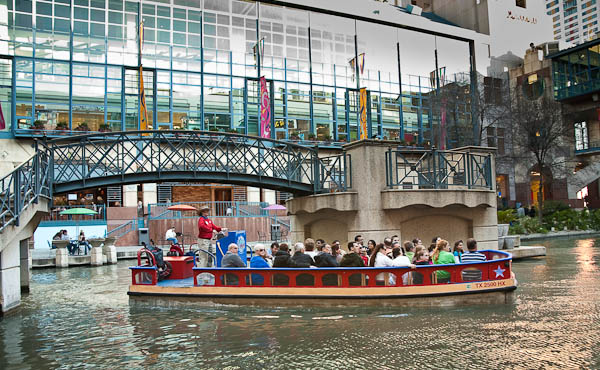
(364, 134)
(143, 109)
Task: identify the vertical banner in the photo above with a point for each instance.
(2, 121)
(143, 109)
(364, 134)
(265, 109)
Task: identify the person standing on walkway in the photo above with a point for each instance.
(206, 231)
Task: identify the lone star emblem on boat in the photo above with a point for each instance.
(499, 272)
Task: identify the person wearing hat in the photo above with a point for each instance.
(206, 230)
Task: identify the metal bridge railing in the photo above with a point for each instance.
(437, 169)
(24, 186)
(334, 173)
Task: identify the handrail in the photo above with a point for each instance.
(438, 169)
(24, 185)
(132, 226)
(219, 209)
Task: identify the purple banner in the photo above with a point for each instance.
(265, 109)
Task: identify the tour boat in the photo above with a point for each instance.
(489, 282)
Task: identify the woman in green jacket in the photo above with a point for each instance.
(442, 256)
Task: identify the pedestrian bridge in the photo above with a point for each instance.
(107, 159)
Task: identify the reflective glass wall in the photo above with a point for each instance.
(75, 66)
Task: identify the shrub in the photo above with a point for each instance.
(551, 206)
(507, 216)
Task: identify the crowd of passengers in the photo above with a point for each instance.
(390, 253)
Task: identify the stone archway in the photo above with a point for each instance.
(328, 229)
(449, 227)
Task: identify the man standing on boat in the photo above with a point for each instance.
(206, 231)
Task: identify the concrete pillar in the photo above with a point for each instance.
(10, 276)
(110, 251)
(150, 194)
(62, 257)
(130, 196)
(24, 254)
(96, 257)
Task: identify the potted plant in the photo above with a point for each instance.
(105, 127)
(327, 138)
(83, 126)
(38, 126)
(62, 126)
(312, 136)
(294, 136)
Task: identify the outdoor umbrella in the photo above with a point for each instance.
(182, 208)
(78, 211)
(275, 207)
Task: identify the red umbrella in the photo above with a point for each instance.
(182, 208)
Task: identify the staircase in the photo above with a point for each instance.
(24, 198)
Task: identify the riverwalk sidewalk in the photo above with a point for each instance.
(560, 234)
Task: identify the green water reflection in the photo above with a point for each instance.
(80, 317)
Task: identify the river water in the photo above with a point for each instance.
(81, 318)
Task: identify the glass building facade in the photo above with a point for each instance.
(74, 65)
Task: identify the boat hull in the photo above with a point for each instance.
(485, 292)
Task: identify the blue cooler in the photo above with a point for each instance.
(238, 237)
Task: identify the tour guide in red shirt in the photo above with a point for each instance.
(206, 230)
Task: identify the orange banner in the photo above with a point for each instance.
(364, 134)
(143, 108)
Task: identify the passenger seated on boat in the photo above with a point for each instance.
(379, 258)
(309, 248)
(301, 259)
(472, 255)
(442, 256)
(409, 250)
(325, 258)
(282, 257)
(421, 258)
(232, 259)
(401, 260)
(458, 251)
(259, 261)
(352, 259)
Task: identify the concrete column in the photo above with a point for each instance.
(62, 257)
(96, 257)
(10, 276)
(110, 251)
(24, 254)
(130, 196)
(150, 194)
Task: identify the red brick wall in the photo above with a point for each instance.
(117, 216)
(191, 194)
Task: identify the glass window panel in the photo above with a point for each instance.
(80, 13)
(219, 5)
(43, 23)
(97, 15)
(62, 25)
(62, 11)
(164, 23)
(115, 17)
(23, 6)
(23, 20)
(44, 9)
(96, 29)
(98, 4)
(80, 27)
